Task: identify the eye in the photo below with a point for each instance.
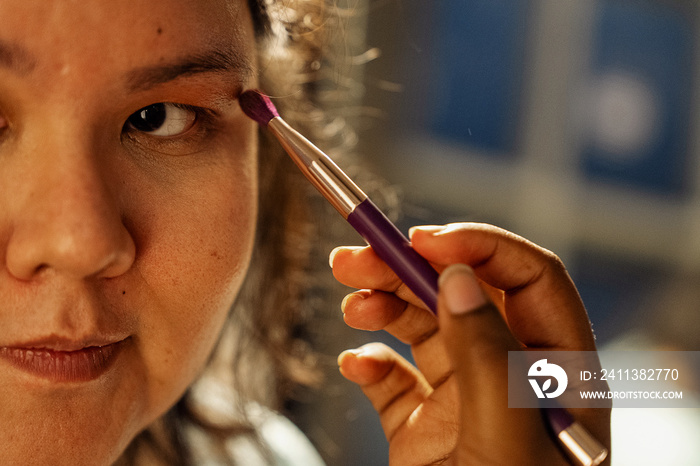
(162, 120)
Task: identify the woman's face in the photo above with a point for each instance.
(127, 211)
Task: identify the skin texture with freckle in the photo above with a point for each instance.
(109, 233)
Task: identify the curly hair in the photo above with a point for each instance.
(264, 350)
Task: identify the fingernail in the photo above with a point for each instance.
(461, 289)
(346, 300)
(331, 256)
(432, 229)
(334, 252)
(346, 353)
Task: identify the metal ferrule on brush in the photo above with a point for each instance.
(581, 445)
(323, 173)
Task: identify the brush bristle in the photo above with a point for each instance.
(257, 106)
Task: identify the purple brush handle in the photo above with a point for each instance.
(559, 418)
(394, 248)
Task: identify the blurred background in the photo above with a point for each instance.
(572, 123)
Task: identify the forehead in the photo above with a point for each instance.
(58, 35)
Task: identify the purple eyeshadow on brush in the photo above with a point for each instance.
(258, 107)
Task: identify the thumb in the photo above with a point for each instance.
(475, 333)
(477, 341)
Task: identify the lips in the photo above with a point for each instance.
(76, 365)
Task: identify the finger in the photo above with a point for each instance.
(377, 310)
(360, 267)
(393, 386)
(477, 342)
(542, 305)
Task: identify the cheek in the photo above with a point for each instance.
(194, 251)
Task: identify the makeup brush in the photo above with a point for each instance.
(580, 445)
(386, 240)
(391, 245)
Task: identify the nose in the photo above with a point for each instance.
(67, 218)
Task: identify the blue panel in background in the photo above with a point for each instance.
(640, 96)
(616, 291)
(476, 85)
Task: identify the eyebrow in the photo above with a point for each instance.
(211, 61)
(15, 57)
